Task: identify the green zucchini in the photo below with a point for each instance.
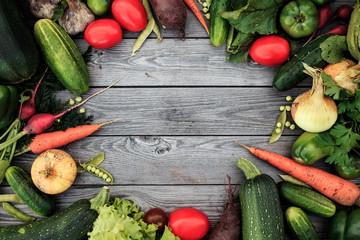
(291, 72)
(219, 27)
(300, 224)
(337, 225)
(353, 33)
(19, 56)
(62, 56)
(261, 212)
(23, 186)
(73, 223)
(307, 199)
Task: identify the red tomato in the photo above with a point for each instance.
(130, 14)
(270, 50)
(189, 223)
(103, 33)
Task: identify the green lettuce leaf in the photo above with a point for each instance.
(121, 221)
(168, 235)
(256, 16)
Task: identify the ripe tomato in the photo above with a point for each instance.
(103, 33)
(156, 216)
(189, 223)
(270, 50)
(130, 14)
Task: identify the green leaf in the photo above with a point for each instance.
(333, 49)
(345, 137)
(239, 49)
(338, 157)
(255, 16)
(326, 142)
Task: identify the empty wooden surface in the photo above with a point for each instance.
(182, 106)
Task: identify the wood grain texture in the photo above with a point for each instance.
(188, 110)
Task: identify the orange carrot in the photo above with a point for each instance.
(336, 188)
(56, 139)
(192, 5)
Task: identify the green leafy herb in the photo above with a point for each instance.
(240, 47)
(254, 16)
(333, 49)
(168, 235)
(343, 138)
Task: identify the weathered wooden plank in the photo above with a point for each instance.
(188, 111)
(208, 198)
(190, 160)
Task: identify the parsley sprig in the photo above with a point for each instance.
(343, 139)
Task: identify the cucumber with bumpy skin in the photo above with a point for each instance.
(307, 199)
(291, 72)
(300, 224)
(22, 185)
(62, 56)
(219, 27)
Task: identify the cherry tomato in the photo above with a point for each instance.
(270, 50)
(189, 223)
(156, 216)
(103, 33)
(130, 14)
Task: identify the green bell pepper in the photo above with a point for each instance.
(344, 225)
(9, 102)
(349, 171)
(306, 151)
(299, 18)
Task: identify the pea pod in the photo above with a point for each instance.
(94, 161)
(279, 127)
(99, 172)
(16, 213)
(353, 33)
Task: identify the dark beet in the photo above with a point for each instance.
(228, 228)
(171, 14)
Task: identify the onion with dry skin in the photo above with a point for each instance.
(313, 111)
(43, 8)
(344, 73)
(53, 171)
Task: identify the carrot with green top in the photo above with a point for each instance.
(194, 8)
(336, 188)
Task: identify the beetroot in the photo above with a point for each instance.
(171, 14)
(228, 228)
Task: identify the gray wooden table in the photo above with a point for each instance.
(182, 106)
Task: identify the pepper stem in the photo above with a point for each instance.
(250, 169)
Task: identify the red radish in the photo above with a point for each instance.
(324, 17)
(41, 122)
(53, 140)
(343, 12)
(339, 30)
(28, 107)
(336, 188)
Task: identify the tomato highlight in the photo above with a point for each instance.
(131, 14)
(189, 223)
(270, 50)
(103, 33)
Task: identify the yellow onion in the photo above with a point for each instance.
(313, 111)
(344, 73)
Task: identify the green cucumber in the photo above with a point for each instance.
(261, 212)
(22, 185)
(62, 56)
(291, 72)
(219, 27)
(19, 56)
(307, 199)
(73, 223)
(300, 224)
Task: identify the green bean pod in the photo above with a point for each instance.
(353, 33)
(16, 213)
